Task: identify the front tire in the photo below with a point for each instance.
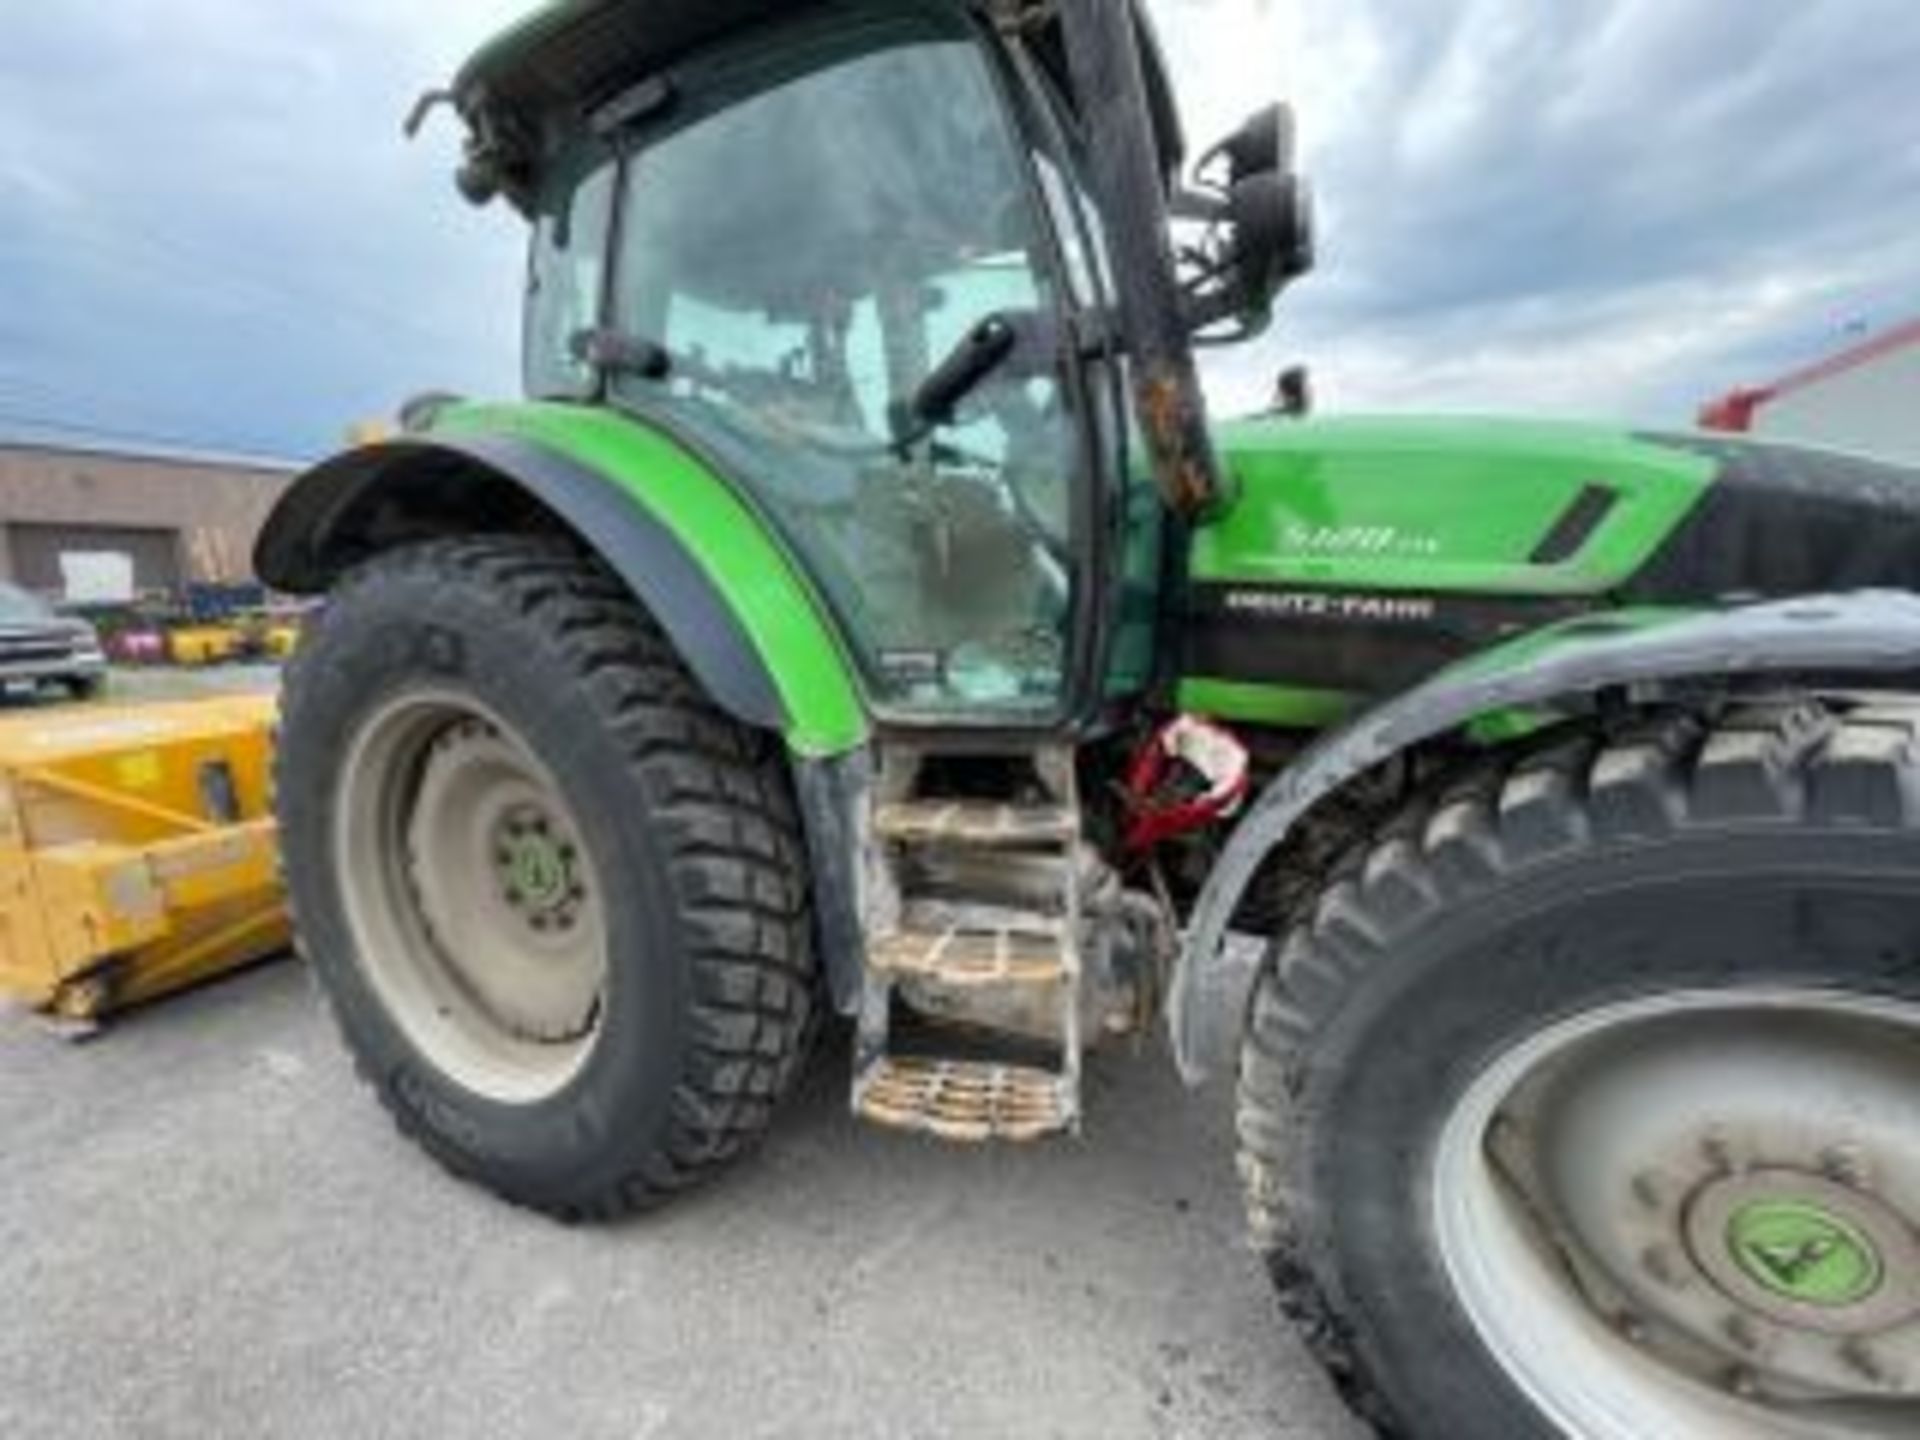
(1586, 1101)
(556, 899)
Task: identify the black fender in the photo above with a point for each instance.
(1841, 639)
(375, 496)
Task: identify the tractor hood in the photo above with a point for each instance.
(1358, 555)
(1562, 509)
(1411, 504)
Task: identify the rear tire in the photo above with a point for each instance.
(556, 899)
(1543, 1071)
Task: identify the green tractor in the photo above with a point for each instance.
(862, 617)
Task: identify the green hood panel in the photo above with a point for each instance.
(769, 597)
(1443, 505)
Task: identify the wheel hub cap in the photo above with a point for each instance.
(1801, 1252)
(535, 867)
(1799, 1249)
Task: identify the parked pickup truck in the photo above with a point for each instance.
(39, 647)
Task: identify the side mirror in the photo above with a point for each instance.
(1264, 141)
(1260, 233)
(1270, 219)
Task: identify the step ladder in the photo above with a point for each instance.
(976, 901)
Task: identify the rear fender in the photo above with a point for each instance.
(689, 549)
(1850, 637)
(680, 539)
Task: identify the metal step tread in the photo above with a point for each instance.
(965, 1101)
(975, 822)
(971, 957)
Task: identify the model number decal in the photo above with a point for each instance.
(1359, 540)
(1323, 605)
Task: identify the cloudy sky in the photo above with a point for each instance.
(211, 232)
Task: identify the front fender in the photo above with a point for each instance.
(1824, 636)
(674, 531)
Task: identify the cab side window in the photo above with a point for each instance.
(566, 273)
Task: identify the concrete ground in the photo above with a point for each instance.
(207, 1229)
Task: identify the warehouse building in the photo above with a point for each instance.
(101, 525)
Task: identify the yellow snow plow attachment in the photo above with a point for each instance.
(137, 851)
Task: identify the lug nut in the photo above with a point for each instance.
(1717, 1151)
(1844, 1165)
(1865, 1362)
(1742, 1382)
(1663, 1265)
(1650, 1189)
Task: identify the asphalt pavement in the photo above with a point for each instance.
(208, 1230)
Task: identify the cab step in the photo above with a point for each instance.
(975, 822)
(976, 925)
(958, 957)
(966, 1101)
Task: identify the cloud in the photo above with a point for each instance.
(210, 227)
(1613, 208)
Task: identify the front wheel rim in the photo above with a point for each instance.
(1696, 1214)
(473, 900)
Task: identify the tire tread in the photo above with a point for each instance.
(1657, 775)
(724, 813)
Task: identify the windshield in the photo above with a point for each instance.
(17, 606)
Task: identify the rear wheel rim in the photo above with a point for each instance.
(473, 899)
(1696, 1214)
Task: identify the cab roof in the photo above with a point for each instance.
(571, 52)
(572, 55)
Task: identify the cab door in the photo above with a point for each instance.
(815, 226)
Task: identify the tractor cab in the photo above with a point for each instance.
(880, 265)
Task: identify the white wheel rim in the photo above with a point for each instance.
(1792, 1087)
(472, 899)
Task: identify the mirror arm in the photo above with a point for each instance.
(1210, 308)
(1189, 203)
(424, 107)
